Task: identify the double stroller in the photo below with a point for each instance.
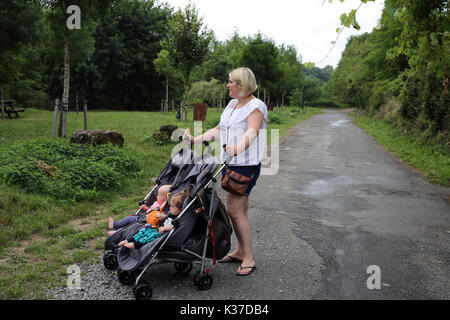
(202, 230)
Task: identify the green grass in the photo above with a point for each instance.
(432, 160)
(42, 236)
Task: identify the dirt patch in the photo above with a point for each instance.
(82, 224)
(389, 109)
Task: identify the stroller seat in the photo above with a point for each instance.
(187, 243)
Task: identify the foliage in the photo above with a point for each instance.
(424, 38)
(127, 41)
(187, 41)
(207, 91)
(260, 55)
(392, 61)
(127, 50)
(63, 170)
(276, 117)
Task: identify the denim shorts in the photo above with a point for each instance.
(248, 171)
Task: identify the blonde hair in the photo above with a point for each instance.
(178, 199)
(245, 77)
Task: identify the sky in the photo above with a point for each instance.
(309, 25)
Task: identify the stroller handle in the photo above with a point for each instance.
(228, 158)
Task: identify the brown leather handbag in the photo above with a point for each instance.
(235, 182)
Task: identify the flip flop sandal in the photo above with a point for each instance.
(245, 273)
(230, 259)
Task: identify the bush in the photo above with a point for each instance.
(63, 170)
(276, 117)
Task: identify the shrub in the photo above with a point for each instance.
(63, 170)
(276, 117)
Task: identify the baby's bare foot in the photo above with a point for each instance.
(110, 223)
(129, 245)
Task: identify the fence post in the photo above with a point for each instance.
(85, 114)
(76, 102)
(55, 117)
(3, 107)
(65, 110)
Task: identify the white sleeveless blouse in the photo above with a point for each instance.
(233, 125)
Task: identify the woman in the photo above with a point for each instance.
(239, 128)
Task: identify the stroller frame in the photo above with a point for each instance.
(110, 259)
(143, 291)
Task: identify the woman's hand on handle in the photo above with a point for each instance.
(187, 137)
(210, 135)
(230, 151)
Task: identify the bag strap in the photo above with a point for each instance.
(213, 240)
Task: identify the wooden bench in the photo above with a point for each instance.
(10, 108)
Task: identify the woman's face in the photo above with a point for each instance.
(234, 88)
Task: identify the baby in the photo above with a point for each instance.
(150, 233)
(161, 197)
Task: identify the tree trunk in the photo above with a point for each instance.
(166, 103)
(55, 117)
(65, 97)
(76, 103)
(85, 114)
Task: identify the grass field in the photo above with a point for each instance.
(41, 236)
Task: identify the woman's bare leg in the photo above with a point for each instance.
(237, 207)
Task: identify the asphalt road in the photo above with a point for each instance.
(342, 219)
(345, 202)
(339, 204)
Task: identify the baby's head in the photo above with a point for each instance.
(162, 193)
(176, 203)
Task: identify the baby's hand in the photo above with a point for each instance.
(160, 216)
(161, 230)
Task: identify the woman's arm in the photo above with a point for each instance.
(210, 135)
(254, 122)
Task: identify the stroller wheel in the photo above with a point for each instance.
(110, 261)
(183, 268)
(203, 281)
(143, 291)
(126, 277)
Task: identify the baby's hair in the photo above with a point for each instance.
(178, 199)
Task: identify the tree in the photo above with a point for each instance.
(187, 41)
(260, 55)
(291, 71)
(58, 9)
(127, 42)
(16, 49)
(164, 67)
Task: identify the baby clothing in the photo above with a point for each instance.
(126, 221)
(148, 234)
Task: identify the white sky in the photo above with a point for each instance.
(309, 25)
